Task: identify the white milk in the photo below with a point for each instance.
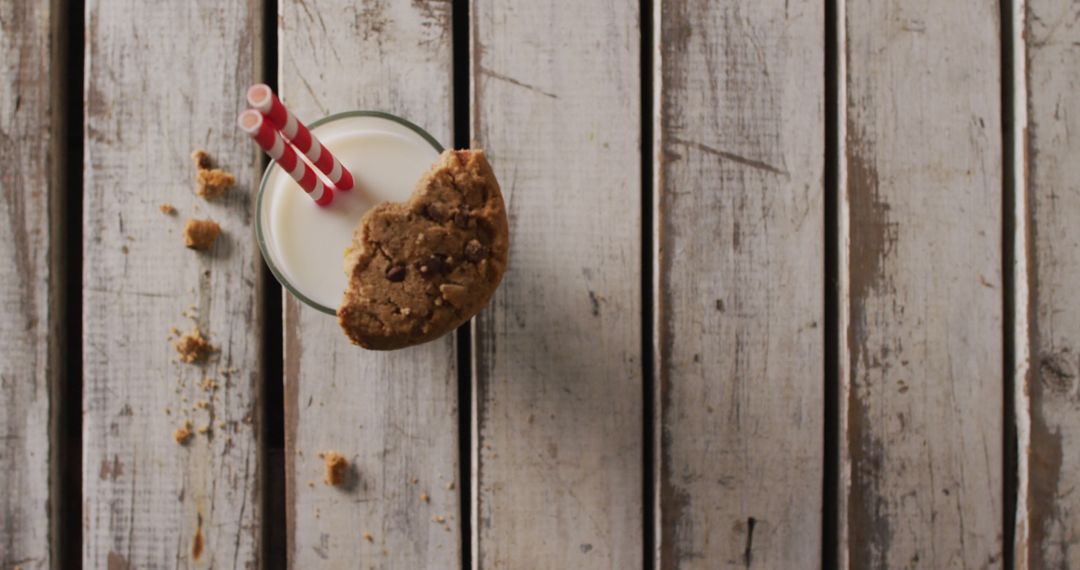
(305, 243)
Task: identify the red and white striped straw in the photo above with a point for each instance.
(252, 123)
(262, 98)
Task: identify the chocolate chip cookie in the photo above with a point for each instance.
(421, 268)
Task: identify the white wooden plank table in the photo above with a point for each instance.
(148, 501)
(1048, 206)
(394, 415)
(28, 365)
(922, 338)
(558, 393)
(739, 258)
(790, 286)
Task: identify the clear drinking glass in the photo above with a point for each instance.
(304, 244)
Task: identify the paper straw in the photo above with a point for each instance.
(252, 123)
(262, 98)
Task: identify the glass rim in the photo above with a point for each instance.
(260, 237)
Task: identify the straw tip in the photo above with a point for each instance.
(250, 120)
(259, 95)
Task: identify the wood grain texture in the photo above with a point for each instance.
(740, 220)
(393, 415)
(25, 139)
(1052, 33)
(163, 80)
(922, 452)
(558, 410)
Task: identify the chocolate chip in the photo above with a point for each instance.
(461, 220)
(396, 273)
(485, 230)
(475, 251)
(433, 265)
(435, 212)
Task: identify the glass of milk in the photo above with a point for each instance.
(303, 243)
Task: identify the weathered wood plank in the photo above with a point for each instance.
(25, 187)
(163, 80)
(740, 367)
(556, 104)
(394, 415)
(922, 343)
(1019, 306)
(1051, 507)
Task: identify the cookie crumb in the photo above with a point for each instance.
(424, 497)
(450, 486)
(335, 468)
(204, 429)
(167, 209)
(438, 518)
(183, 433)
(202, 404)
(213, 183)
(208, 385)
(368, 537)
(202, 159)
(311, 484)
(201, 234)
(414, 481)
(193, 347)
